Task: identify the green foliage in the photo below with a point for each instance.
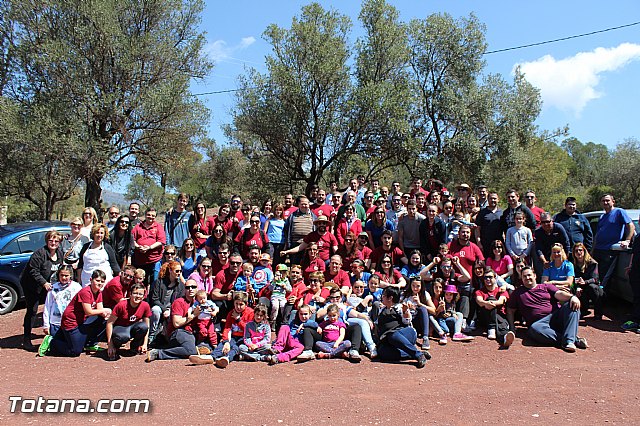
(119, 72)
(625, 176)
(146, 190)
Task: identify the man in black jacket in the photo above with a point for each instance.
(433, 232)
(575, 223)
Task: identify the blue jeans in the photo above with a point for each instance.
(366, 331)
(233, 351)
(421, 322)
(401, 344)
(182, 344)
(558, 328)
(72, 342)
(454, 323)
(122, 335)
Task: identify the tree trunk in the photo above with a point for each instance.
(93, 194)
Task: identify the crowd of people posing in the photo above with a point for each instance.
(339, 274)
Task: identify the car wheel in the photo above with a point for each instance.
(8, 298)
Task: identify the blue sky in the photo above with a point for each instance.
(589, 83)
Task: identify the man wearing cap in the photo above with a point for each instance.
(548, 325)
(464, 191)
(326, 241)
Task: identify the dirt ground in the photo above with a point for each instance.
(464, 383)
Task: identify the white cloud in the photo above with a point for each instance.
(219, 50)
(570, 83)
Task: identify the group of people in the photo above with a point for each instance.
(338, 274)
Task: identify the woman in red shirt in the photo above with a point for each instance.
(129, 320)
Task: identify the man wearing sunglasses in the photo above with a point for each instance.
(180, 328)
(223, 285)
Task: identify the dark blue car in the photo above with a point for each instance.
(17, 242)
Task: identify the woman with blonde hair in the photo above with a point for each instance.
(587, 281)
(560, 271)
(89, 218)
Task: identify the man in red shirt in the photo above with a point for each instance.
(326, 241)
(288, 206)
(338, 275)
(118, 288)
(319, 208)
(182, 341)
(387, 247)
(530, 201)
(223, 284)
(465, 250)
(149, 240)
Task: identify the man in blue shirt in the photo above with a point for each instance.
(614, 227)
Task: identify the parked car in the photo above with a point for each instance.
(619, 284)
(17, 242)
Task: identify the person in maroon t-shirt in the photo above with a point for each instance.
(338, 275)
(387, 248)
(129, 320)
(492, 302)
(223, 285)
(252, 236)
(182, 340)
(75, 332)
(149, 240)
(118, 288)
(464, 249)
(221, 261)
(319, 208)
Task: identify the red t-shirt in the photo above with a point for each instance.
(227, 224)
(204, 226)
(322, 210)
(316, 265)
(341, 278)
(251, 239)
(325, 243)
(74, 314)
(308, 294)
(179, 307)
(113, 292)
(128, 315)
(144, 236)
(392, 279)
(297, 290)
(395, 253)
(496, 293)
(288, 212)
(366, 252)
(236, 326)
(467, 254)
(224, 280)
(216, 266)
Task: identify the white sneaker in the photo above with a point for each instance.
(373, 351)
(491, 334)
(306, 356)
(201, 359)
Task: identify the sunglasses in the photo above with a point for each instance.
(348, 240)
(177, 271)
(129, 277)
(488, 277)
(124, 222)
(205, 266)
(170, 253)
(235, 263)
(191, 287)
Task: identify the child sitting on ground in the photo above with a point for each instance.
(449, 319)
(257, 336)
(332, 330)
(205, 323)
